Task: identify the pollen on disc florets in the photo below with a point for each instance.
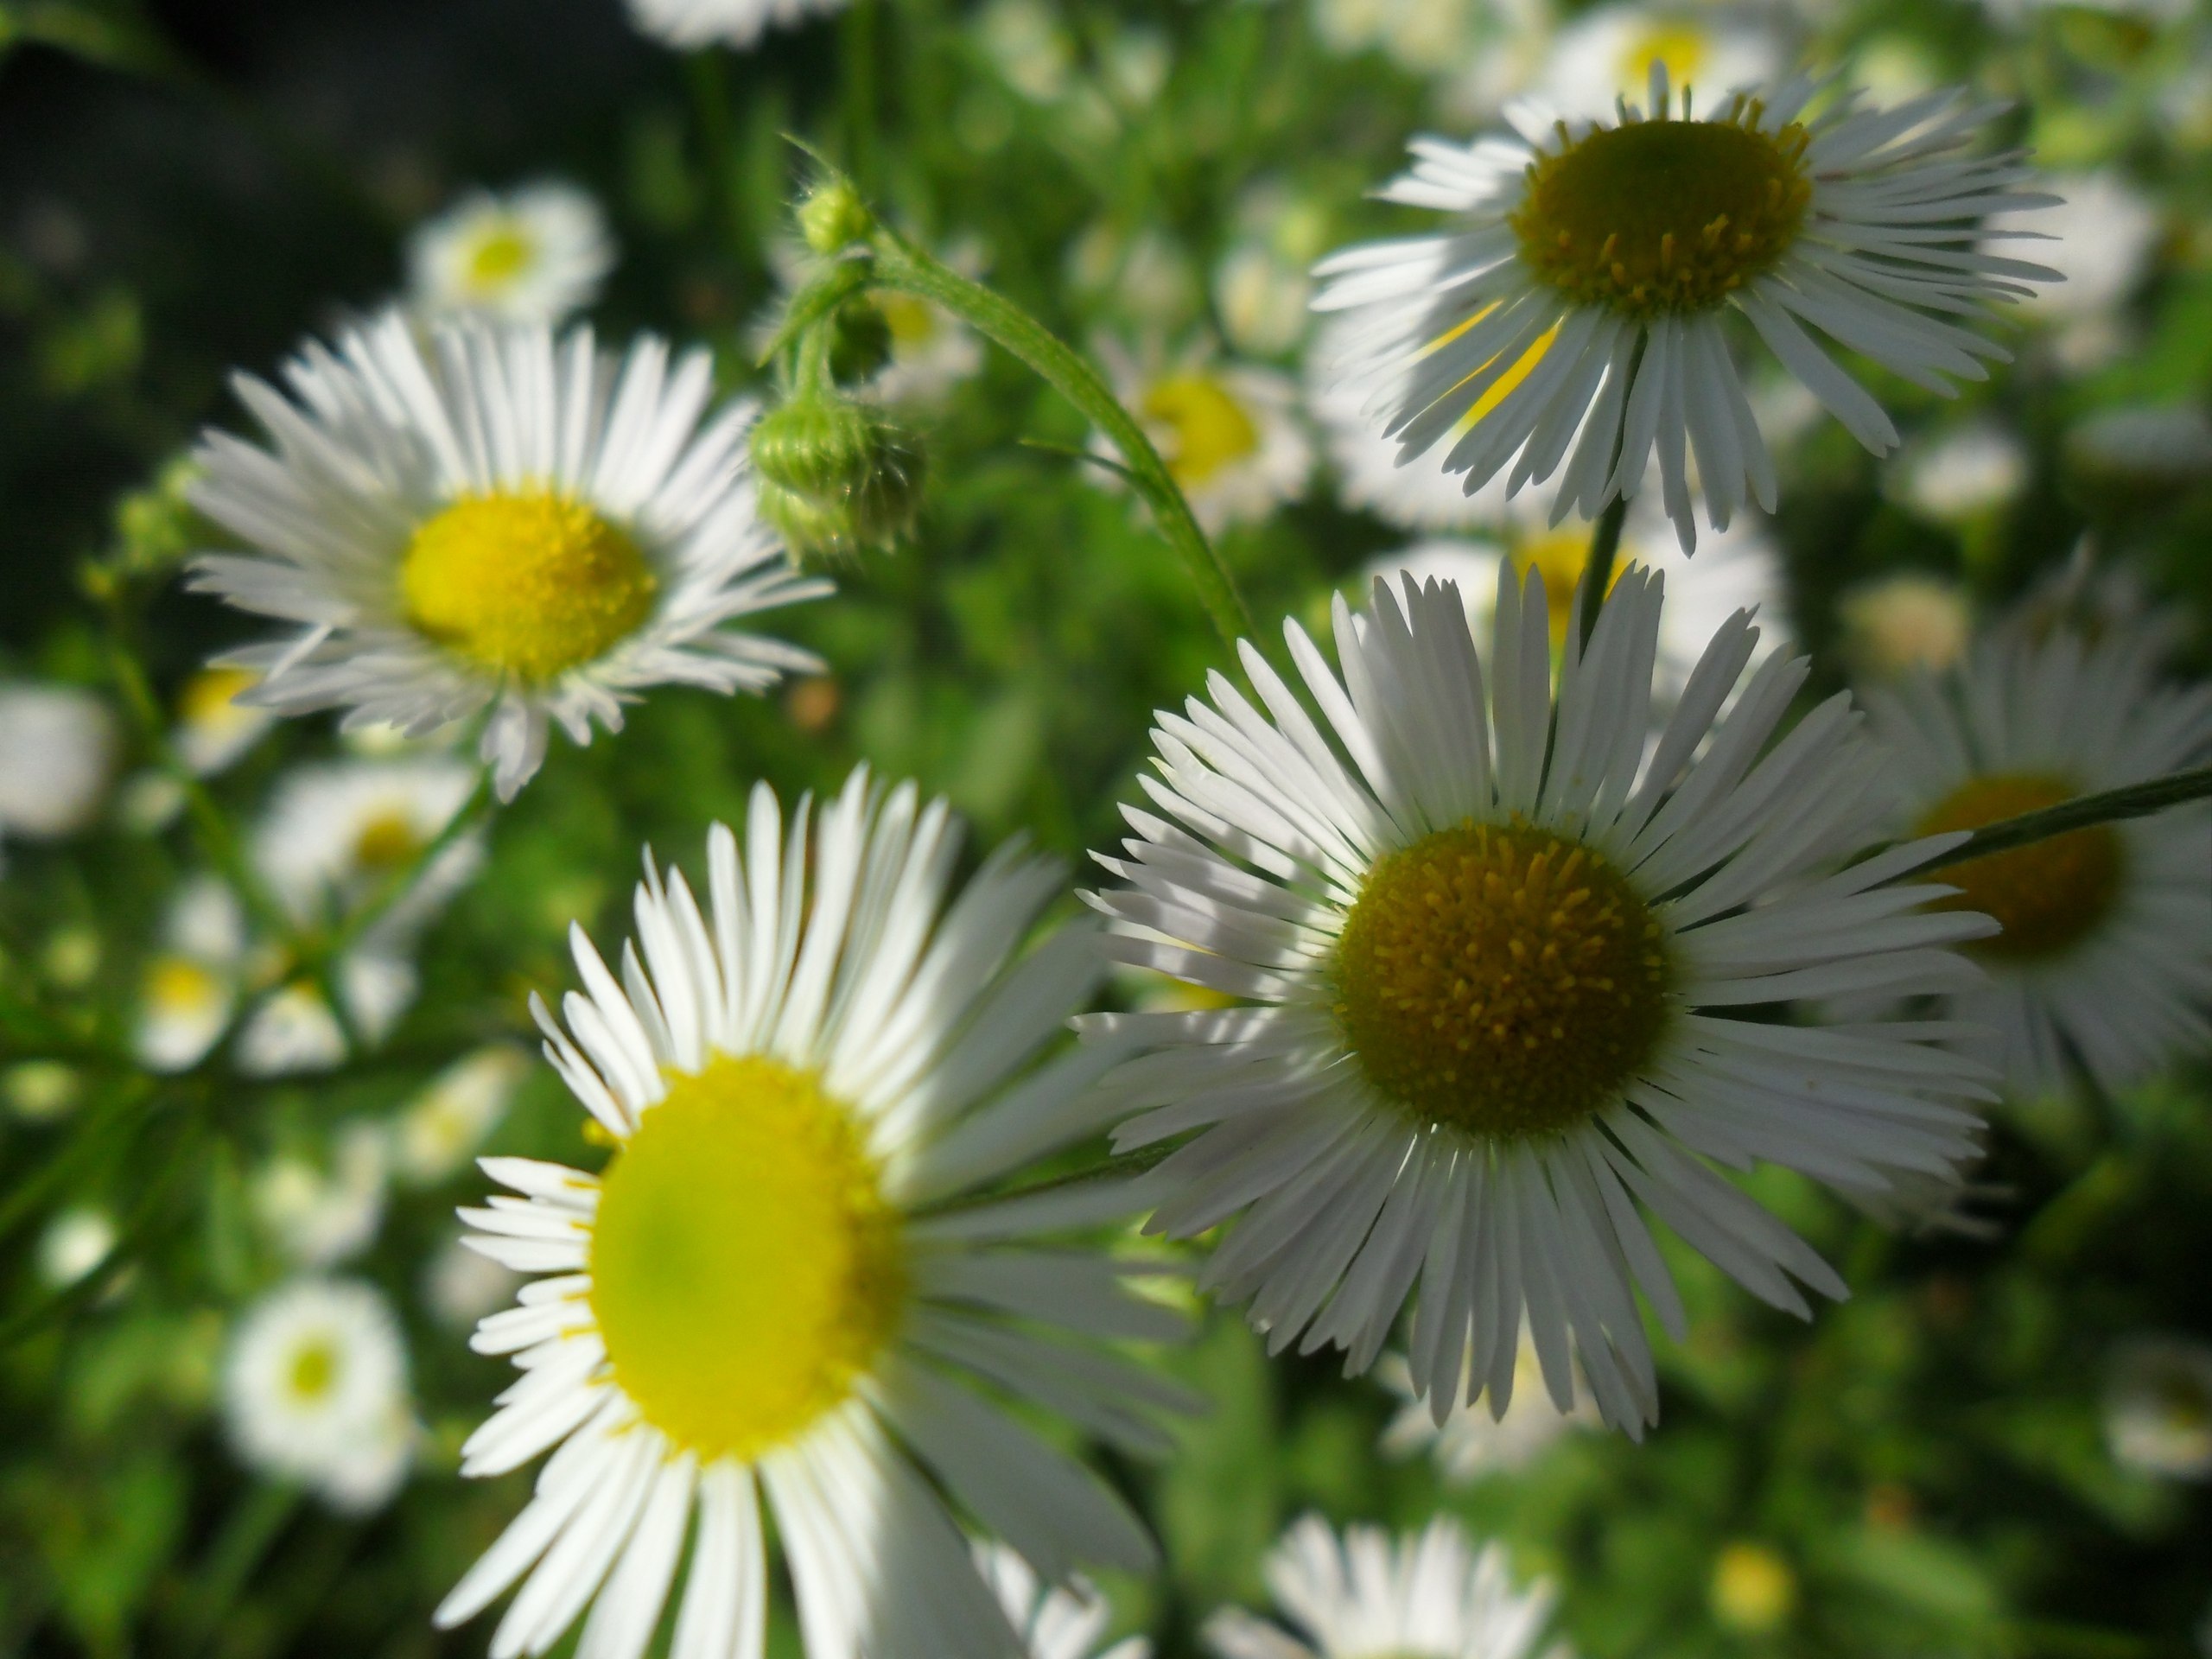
(531, 584)
(1500, 980)
(745, 1266)
(1657, 217)
(2048, 896)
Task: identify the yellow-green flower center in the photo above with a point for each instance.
(386, 842)
(1657, 217)
(912, 321)
(745, 1266)
(2050, 895)
(1500, 980)
(1205, 427)
(503, 255)
(1682, 47)
(531, 583)
(314, 1370)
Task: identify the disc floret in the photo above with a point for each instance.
(2048, 896)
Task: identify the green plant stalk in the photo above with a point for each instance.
(2111, 806)
(1598, 569)
(900, 266)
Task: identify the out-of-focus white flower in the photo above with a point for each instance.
(1145, 277)
(1608, 52)
(1963, 474)
(191, 985)
(1028, 46)
(1424, 37)
(57, 755)
(315, 1389)
(321, 1216)
(75, 1242)
(461, 1287)
(2104, 233)
(448, 1120)
(533, 254)
(2159, 1408)
(292, 1031)
(1261, 297)
(1470, 1442)
(689, 24)
(336, 832)
(39, 1091)
(214, 729)
(2155, 447)
(1229, 432)
(1053, 1621)
(1894, 625)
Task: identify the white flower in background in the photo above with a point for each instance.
(322, 1216)
(435, 1134)
(191, 985)
(2106, 947)
(1429, 1595)
(1262, 288)
(531, 255)
(1145, 277)
(336, 832)
(315, 1389)
(459, 1287)
(57, 757)
(1424, 37)
(75, 1242)
(1470, 1442)
(1567, 270)
(1412, 491)
(1054, 1622)
(931, 351)
(291, 1030)
(2145, 447)
(2103, 235)
(1894, 625)
(1608, 52)
(214, 729)
(501, 520)
(1490, 949)
(1025, 40)
(1739, 569)
(2158, 1407)
(689, 24)
(1228, 432)
(762, 1297)
(1961, 475)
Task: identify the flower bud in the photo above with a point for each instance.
(832, 217)
(837, 477)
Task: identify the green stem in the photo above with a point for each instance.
(253, 1526)
(1598, 570)
(900, 266)
(2133, 801)
(708, 77)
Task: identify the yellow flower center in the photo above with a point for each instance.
(912, 322)
(1561, 554)
(503, 255)
(1679, 45)
(314, 1370)
(386, 842)
(1500, 979)
(531, 584)
(745, 1266)
(1658, 217)
(178, 985)
(2049, 895)
(1206, 428)
(1753, 1589)
(208, 697)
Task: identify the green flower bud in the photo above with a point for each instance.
(832, 217)
(837, 477)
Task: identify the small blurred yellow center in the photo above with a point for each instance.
(1753, 1589)
(1653, 218)
(314, 1368)
(745, 1266)
(179, 985)
(386, 842)
(1500, 980)
(209, 695)
(2050, 895)
(503, 255)
(1682, 48)
(531, 584)
(912, 321)
(1559, 556)
(1206, 429)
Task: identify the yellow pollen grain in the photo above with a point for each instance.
(745, 1266)
(1659, 217)
(531, 583)
(503, 255)
(1206, 428)
(1500, 980)
(2048, 896)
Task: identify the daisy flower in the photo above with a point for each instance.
(1963, 475)
(1053, 1622)
(1470, 1442)
(689, 24)
(191, 986)
(788, 1286)
(2104, 234)
(435, 1135)
(2106, 951)
(1494, 949)
(321, 1215)
(2158, 1407)
(1433, 1595)
(499, 520)
(1895, 624)
(1575, 313)
(75, 1242)
(931, 351)
(57, 757)
(1228, 432)
(213, 728)
(531, 255)
(336, 832)
(314, 1390)
(1607, 53)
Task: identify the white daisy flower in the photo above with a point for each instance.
(1433, 1595)
(2106, 947)
(785, 1282)
(500, 520)
(2158, 1407)
(459, 1287)
(1373, 471)
(531, 255)
(214, 729)
(315, 1389)
(191, 986)
(335, 833)
(77, 1240)
(1228, 432)
(1471, 1442)
(1589, 254)
(1894, 625)
(931, 351)
(1062, 1622)
(1963, 475)
(434, 1137)
(2148, 450)
(1424, 37)
(2104, 233)
(292, 1031)
(57, 757)
(689, 24)
(1491, 947)
(322, 1216)
(1607, 53)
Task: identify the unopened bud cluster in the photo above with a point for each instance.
(837, 477)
